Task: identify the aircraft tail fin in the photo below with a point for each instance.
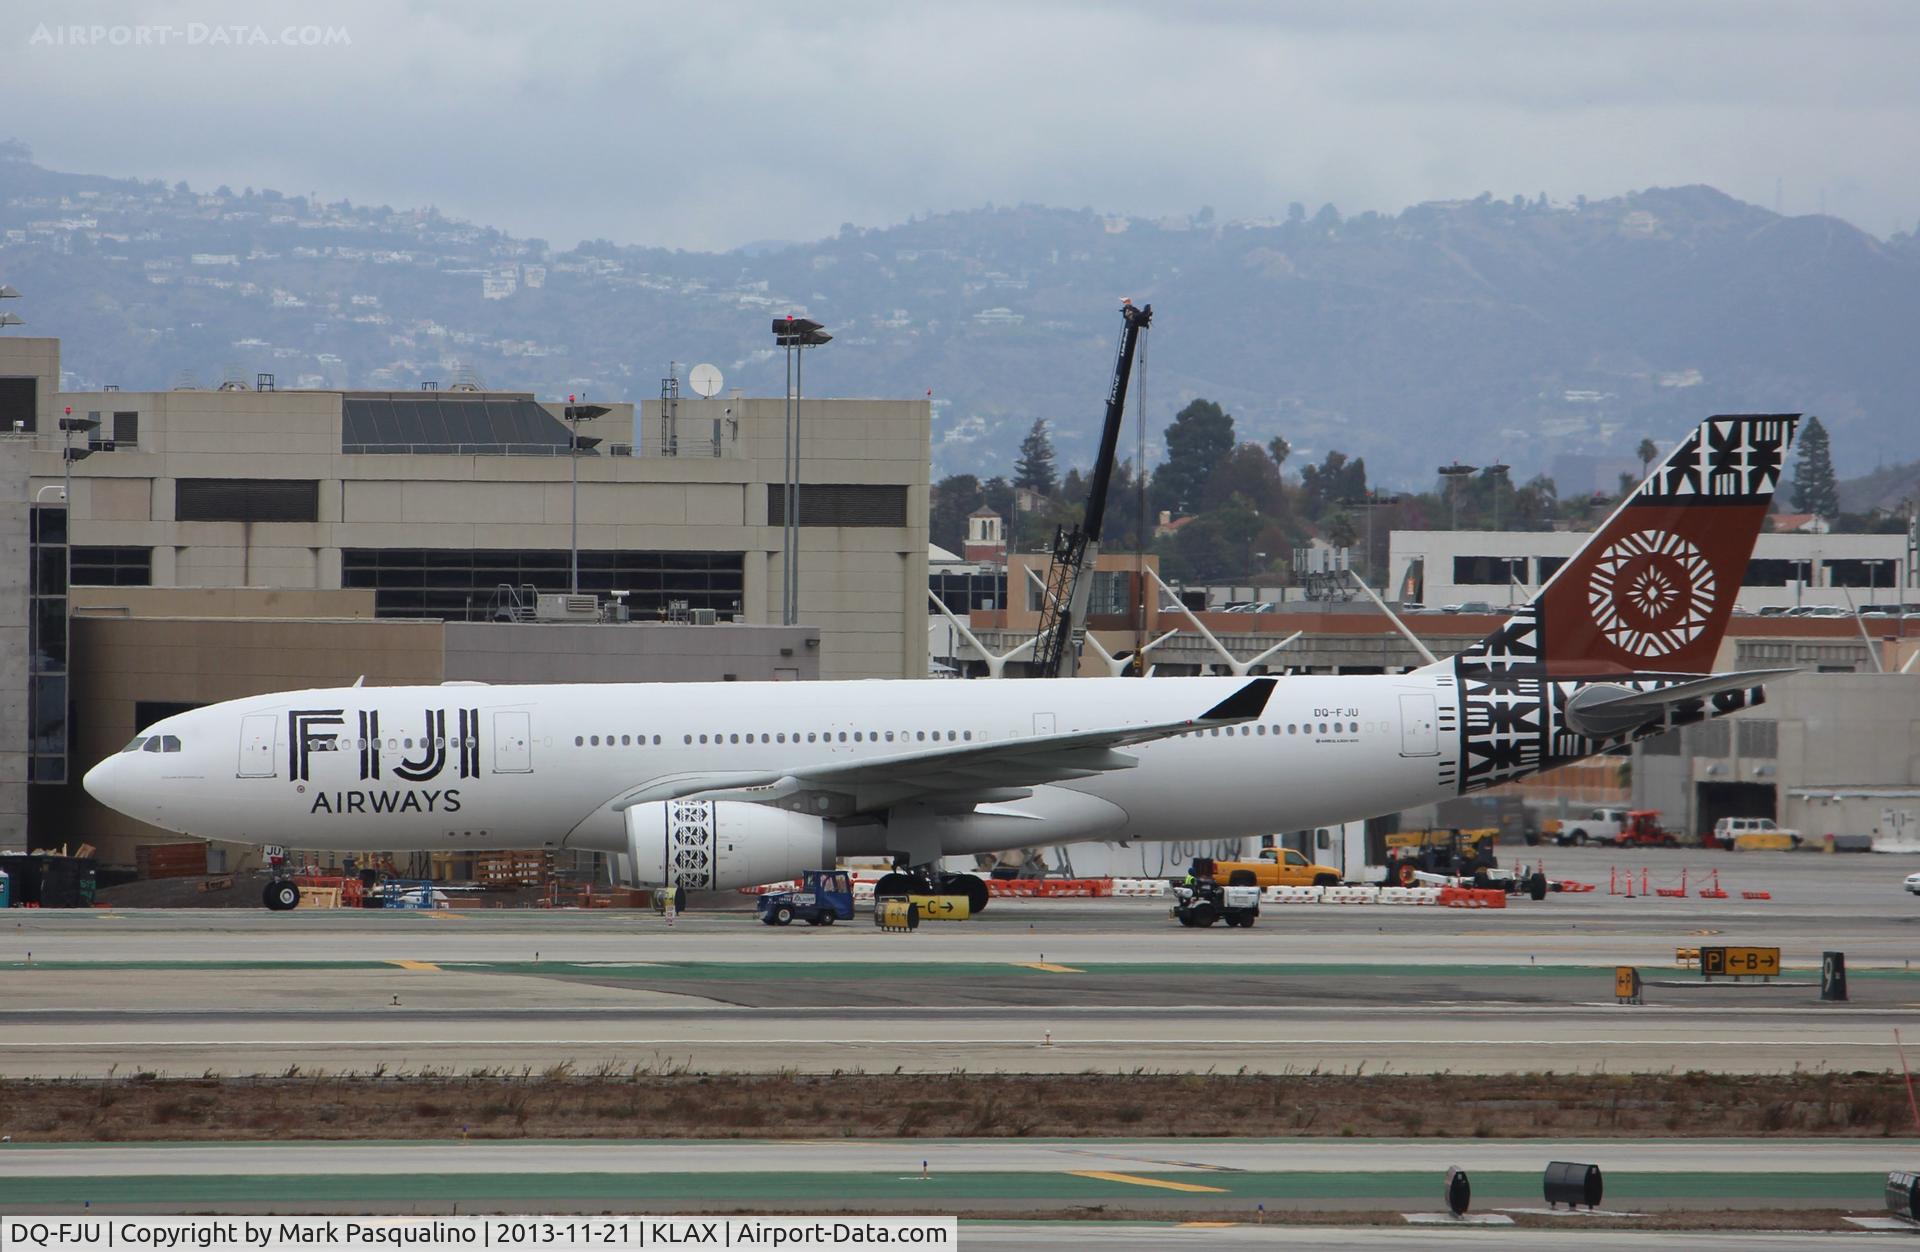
(1653, 588)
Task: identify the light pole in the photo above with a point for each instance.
(795, 334)
(1369, 502)
(10, 319)
(1455, 474)
(1498, 474)
(576, 444)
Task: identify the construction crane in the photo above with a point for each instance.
(1063, 610)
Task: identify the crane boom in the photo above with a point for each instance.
(1063, 614)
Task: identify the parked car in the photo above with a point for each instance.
(1913, 884)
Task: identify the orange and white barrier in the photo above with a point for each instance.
(1472, 898)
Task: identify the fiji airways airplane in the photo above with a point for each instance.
(727, 785)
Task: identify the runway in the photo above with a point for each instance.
(1031, 986)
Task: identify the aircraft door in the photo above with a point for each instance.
(512, 743)
(256, 744)
(1419, 729)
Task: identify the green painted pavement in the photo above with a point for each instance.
(841, 970)
(194, 1189)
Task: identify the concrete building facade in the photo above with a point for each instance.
(1827, 754)
(1439, 567)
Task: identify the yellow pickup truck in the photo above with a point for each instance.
(1276, 867)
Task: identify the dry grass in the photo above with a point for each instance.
(561, 1103)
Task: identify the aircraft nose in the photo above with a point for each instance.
(107, 782)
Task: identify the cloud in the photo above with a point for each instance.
(708, 125)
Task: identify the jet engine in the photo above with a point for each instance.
(709, 845)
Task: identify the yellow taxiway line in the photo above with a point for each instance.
(1047, 967)
(426, 965)
(1138, 1181)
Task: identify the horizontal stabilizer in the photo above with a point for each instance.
(1604, 709)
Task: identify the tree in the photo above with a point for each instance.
(1201, 434)
(1647, 451)
(1035, 470)
(1279, 449)
(1332, 482)
(1814, 490)
(1247, 472)
(1216, 545)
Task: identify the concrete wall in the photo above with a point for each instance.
(541, 653)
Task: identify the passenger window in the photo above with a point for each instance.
(703, 739)
(889, 736)
(625, 740)
(656, 741)
(967, 735)
(735, 738)
(1263, 730)
(689, 739)
(1292, 728)
(1323, 728)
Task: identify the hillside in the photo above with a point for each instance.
(1470, 330)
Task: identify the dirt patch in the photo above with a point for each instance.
(560, 1104)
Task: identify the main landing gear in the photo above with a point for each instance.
(921, 880)
(281, 894)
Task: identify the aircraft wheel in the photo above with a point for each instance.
(281, 895)
(1537, 886)
(897, 884)
(968, 885)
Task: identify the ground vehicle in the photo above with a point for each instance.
(1643, 830)
(1276, 867)
(1602, 825)
(1452, 853)
(824, 897)
(1199, 901)
(1728, 831)
(1913, 883)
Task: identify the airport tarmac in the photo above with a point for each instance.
(1031, 985)
(1232, 1177)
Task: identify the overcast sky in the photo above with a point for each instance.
(709, 125)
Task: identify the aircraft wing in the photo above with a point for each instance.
(963, 773)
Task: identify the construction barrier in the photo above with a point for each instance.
(1291, 895)
(1349, 895)
(1571, 887)
(1472, 898)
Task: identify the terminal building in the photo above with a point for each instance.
(244, 539)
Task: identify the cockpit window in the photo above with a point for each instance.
(170, 743)
(153, 744)
(135, 745)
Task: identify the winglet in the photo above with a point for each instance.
(1243, 705)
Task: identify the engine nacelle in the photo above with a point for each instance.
(708, 845)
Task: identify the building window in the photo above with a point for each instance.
(1775, 573)
(112, 567)
(147, 712)
(1489, 571)
(841, 504)
(462, 585)
(19, 404)
(126, 430)
(246, 500)
(1861, 573)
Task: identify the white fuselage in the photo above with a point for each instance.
(544, 766)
